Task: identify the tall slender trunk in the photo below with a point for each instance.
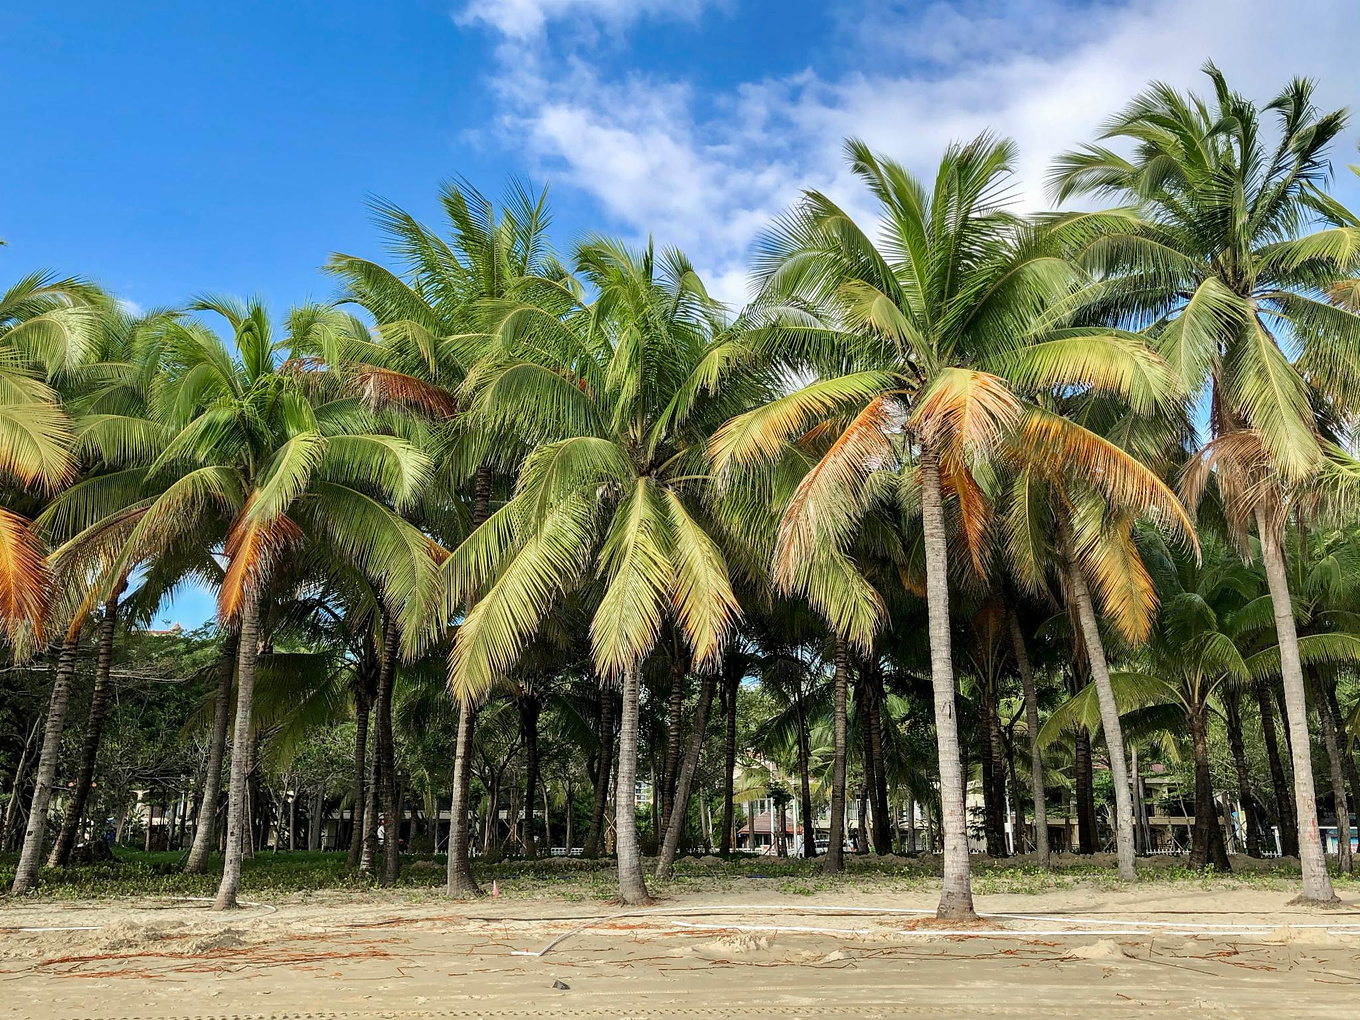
(805, 777)
(1329, 741)
(94, 727)
(1284, 797)
(632, 888)
(528, 718)
(601, 793)
(237, 822)
(834, 861)
(1347, 758)
(315, 821)
(1109, 714)
(206, 828)
(870, 781)
(1317, 884)
(1251, 826)
(729, 821)
(992, 806)
(1036, 757)
(359, 787)
(1088, 840)
(387, 749)
(685, 780)
(368, 857)
(956, 898)
(1208, 851)
(674, 719)
(873, 684)
(1140, 833)
(571, 806)
(20, 771)
(460, 882)
(26, 874)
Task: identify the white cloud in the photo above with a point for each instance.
(130, 307)
(1045, 72)
(526, 19)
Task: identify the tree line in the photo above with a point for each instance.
(941, 453)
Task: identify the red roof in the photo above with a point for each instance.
(764, 826)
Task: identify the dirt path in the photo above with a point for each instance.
(333, 956)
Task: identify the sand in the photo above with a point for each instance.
(747, 953)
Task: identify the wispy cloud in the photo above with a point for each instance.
(707, 172)
(524, 20)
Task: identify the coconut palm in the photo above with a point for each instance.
(622, 394)
(433, 314)
(263, 451)
(923, 345)
(1213, 256)
(48, 326)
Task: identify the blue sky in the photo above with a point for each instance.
(166, 149)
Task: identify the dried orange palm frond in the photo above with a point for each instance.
(24, 587)
(1060, 449)
(966, 410)
(831, 496)
(1109, 556)
(974, 509)
(381, 387)
(253, 547)
(1241, 465)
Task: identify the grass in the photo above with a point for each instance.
(270, 876)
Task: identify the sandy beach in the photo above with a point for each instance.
(1078, 952)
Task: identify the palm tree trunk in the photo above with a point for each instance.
(372, 797)
(1036, 757)
(1317, 884)
(730, 684)
(870, 781)
(89, 752)
(26, 873)
(237, 831)
(528, 718)
(387, 676)
(992, 805)
(20, 771)
(359, 788)
(834, 861)
(597, 808)
(1251, 825)
(1207, 851)
(1284, 798)
(315, 821)
(805, 778)
(1088, 841)
(1329, 741)
(461, 884)
(1347, 758)
(205, 829)
(684, 782)
(873, 684)
(956, 898)
(1109, 715)
(674, 718)
(632, 888)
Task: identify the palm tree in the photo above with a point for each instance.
(913, 340)
(47, 329)
(432, 317)
(265, 451)
(1211, 257)
(622, 393)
